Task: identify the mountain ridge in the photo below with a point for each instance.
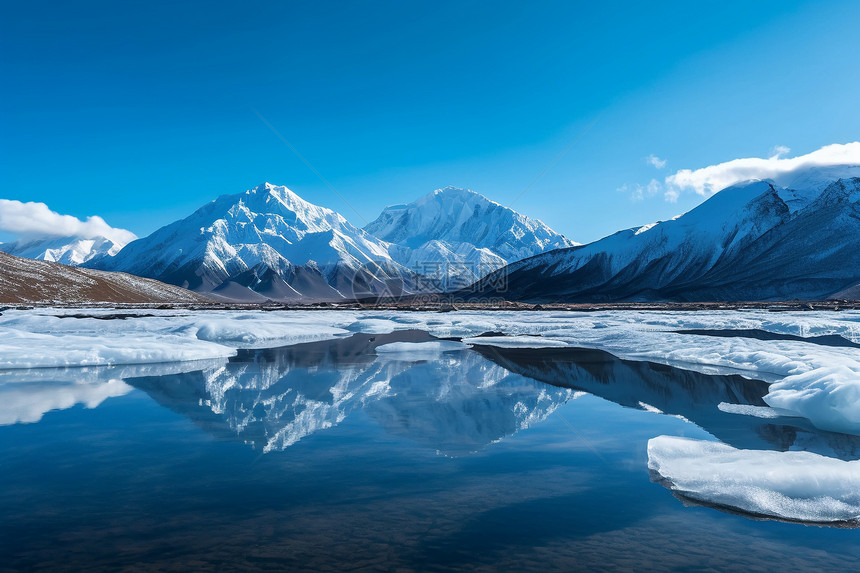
(268, 243)
(741, 244)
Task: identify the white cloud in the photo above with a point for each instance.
(36, 220)
(709, 180)
(640, 192)
(655, 161)
(779, 151)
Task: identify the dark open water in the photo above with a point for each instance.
(323, 456)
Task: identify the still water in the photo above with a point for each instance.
(329, 456)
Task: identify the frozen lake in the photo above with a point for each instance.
(428, 441)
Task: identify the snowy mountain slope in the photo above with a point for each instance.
(813, 255)
(30, 281)
(457, 233)
(266, 241)
(753, 240)
(66, 250)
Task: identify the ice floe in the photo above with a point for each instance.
(516, 341)
(829, 397)
(792, 486)
(418, 350)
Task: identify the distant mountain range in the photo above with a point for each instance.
(756, 240)
(796, 237)
(66, 250)
(270, 244)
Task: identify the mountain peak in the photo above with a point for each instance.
(461, 194)
(280, 192)
(481, 233)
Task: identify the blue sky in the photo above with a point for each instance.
(142, 111)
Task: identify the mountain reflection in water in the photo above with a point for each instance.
(352, 474)
(456, 403)
(461, 401)
(692, 395)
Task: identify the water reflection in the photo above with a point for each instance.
(27, 395)
(456, 403)
(778, 468)
(355, 492)
(693, 395)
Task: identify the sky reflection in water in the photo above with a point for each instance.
(321, 455)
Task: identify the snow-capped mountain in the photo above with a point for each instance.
(265, 243)
(66, 250)
(756, 240)
(457, 236)
(269, 243)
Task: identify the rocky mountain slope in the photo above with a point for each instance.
(26, 281)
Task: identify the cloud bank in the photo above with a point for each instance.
(709, 180)
(35, 220)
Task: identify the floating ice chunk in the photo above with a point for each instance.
(794, 486)
(828, 397)
(749, 410)
(419, 350)
(516, 341)
(374, 326)
(250, 331)
(650, 408)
